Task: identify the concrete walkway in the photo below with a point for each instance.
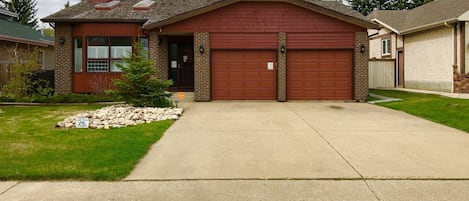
(285, 151)
(451, 95)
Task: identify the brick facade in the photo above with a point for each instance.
(63, 59)
(282, 68)
(159, 54)
(360, 71)
(202, 67)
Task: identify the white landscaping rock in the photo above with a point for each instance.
(120, 116)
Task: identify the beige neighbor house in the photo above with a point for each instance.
(20, 40)
(429, 44)
(219, 49)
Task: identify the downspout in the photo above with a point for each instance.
(462, 48)
(455, 52)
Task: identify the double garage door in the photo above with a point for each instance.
(311, 75)
(244, 67)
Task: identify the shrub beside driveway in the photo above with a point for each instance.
(451, 112)
(32, 149)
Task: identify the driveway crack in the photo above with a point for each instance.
(337, 151)
(8, 189)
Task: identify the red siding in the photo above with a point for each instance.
(85, 82)
(320, 40)
(243, 41)
(93, 82)
(107, 29)
(262, 17)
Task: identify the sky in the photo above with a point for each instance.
(47, 7)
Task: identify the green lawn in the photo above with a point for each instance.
(448, 111)
(32, 149)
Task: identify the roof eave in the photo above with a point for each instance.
(303, 4)
(53, 20)
(429, 26)
(386, 26)
(27, 41)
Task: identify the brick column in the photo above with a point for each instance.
(360, 70)
(202, 67)
(63, 59)
(282, 68)
(159, 55)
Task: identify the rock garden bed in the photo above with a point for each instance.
(118, 116)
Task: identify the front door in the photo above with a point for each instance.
(181, 65)
(400, 72)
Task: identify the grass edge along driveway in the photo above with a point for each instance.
(32, 149)
(451, 112)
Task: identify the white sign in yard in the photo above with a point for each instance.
(82, 123)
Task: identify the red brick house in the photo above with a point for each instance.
(220, 49)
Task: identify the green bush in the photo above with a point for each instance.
(74, 98)
(7, 99)
(138, 85)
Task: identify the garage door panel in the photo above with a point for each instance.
(248, 76)
(319, 75)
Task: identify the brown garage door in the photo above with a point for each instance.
(243, 75)
(319, 75)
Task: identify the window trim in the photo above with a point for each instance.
(386, 42)
(109, 58)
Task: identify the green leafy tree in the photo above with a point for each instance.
(22, 86)
(67, 5)
(26, 10)
(138, 85)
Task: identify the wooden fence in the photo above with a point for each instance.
(381, 73)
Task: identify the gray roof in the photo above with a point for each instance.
(168, 9)
(427, 16)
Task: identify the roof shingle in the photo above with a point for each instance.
(436, 12)
(167, 9)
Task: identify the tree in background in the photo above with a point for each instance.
(26, 10)
(365, 7)
(67, 5)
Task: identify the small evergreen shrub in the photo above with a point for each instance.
(138, 85)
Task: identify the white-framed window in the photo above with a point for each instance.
(78, 55)
(386, 47)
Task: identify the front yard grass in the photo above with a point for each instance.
(444, 110)
(32, 149)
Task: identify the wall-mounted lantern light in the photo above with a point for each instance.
(62, 40)
(282, 49)
(362, 48)
(201, 49)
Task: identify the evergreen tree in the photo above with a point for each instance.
(26, 10)
(138, 85)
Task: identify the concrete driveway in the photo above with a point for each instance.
(304, 140)
(323, 151)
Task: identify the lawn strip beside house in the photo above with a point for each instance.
(451, 112)
(32, 149)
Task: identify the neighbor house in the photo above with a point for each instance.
(429, 45)
(220, 49)
(20, 40)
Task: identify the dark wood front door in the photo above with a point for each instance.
(181, 65)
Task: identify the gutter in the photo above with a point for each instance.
(428, 26)
(27, 41)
